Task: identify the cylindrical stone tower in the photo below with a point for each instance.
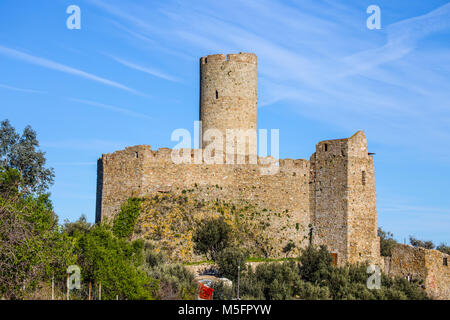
(228, 93)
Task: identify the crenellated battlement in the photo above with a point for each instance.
(145, 153)
(233, 57)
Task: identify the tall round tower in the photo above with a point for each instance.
(228, 93)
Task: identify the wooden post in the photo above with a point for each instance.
(90, 288)
(239, 273)
(67, 284)
(100, 290)
(53, 287)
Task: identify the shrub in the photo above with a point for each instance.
(223, 291)
(272, 281)
(211, 237)
(315, 264)
(175, 282)
(228, 259)
(309, 291)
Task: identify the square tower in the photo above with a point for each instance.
(343, 207)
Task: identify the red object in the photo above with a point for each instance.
(205, 292)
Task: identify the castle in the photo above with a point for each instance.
(332, 195)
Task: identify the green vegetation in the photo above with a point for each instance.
(429, 245)
(21, 153)
(113, 262)
(228, 261)
(34, 248)
(387, 242)
(175, 280)
(211, 237)
(314, 277)
(126, 219)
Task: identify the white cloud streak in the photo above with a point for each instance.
(151, 71)
(111, 108)
(49, 64)
(4, 86)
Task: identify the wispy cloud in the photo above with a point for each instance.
(4, 86)
(111, 108)
(315, 54)
(151, 71)
(49, 64)
(402, 38)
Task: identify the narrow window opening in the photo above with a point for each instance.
(363, 178)
(206, 60)
(217, 94)
(137, 154)
(325, 147)
(334, 258)
(445, 262)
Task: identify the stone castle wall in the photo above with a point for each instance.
(140, 171)
(426, 265)
(325, 192)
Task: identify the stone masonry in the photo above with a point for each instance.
(425, 265)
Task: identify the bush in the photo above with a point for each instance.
(175, 282)
(309, 291)
(315, 264)
(211, 237)
(272, 281)
(223, 291)
(228, 259)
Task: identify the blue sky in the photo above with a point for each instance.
(130, 76)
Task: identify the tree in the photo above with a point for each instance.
(419, 243)
(387, 242)
(32, 245)
(443, 248)
(23, 154)
(228, 260)
(80, 226)
(115, 263)
(211, 237)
